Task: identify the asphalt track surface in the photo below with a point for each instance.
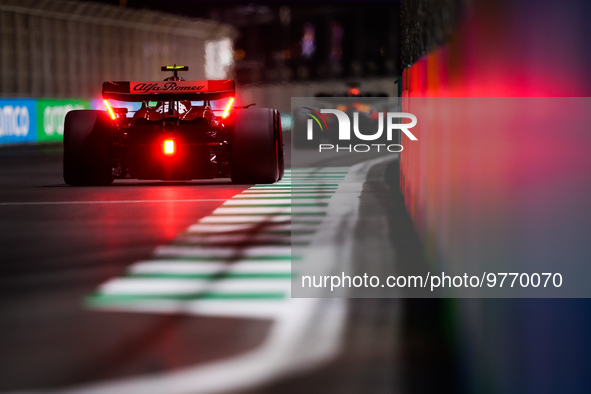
(59, 243)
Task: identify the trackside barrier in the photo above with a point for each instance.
(35, 120)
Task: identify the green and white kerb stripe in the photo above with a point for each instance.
(235, 262)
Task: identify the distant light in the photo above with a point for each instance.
(110, 110)
(354, 92)
(308, 41)
(362, 107)
(219, 58)
(228, 106)
(285, 54)
(336, 39)
(169, 147)
(239, 54)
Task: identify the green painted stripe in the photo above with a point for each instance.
(312, 191)
(299, 188)
(230, 261)
(306, 222)
(259, 225)
(281, 198)
(246, 243)
(212, 276)
(302, 185)
(270, 214)
(294, 232)
(105, 299)
(262, 225)
(286, 233)
(252, 214)
(316, 172)
(314, 177)
(287, 205)
(249, 232)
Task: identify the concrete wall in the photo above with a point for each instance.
(455, 189)
(66, 49)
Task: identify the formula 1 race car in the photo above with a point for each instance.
(182, 130)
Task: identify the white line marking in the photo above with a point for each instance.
(287, 200)
(315, 177)
(270, 263)
(250, 309)
(153, 286)
(342, 170)
(106, 202)
(309, 182)
(287, 189)
(268, 210)
(200, 251)
(290, 186)
(258, 219)
(229, 228)
(175, 267)
(286, 183)
(280, 195)
(241, 238)
(306, 334)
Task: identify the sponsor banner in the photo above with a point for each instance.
(51, 115)
(17, 121)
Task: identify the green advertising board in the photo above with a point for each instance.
(51, 114)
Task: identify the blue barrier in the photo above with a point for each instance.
(35, 120)
(18, 120)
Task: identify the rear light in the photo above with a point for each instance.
(169, 147)
(110, 109)
(228, 106)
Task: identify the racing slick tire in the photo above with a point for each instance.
(86, 148)
(256, 147)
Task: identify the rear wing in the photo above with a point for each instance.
(168, 90)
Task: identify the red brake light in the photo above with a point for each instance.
(169, 147)
(228, 106)
(110, 110)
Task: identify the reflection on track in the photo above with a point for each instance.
(236, 262)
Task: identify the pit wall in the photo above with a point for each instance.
(502, 49)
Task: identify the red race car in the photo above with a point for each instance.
(182, 130)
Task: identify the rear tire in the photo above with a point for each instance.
(280, 156)
(86, 148)
(256, 146)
